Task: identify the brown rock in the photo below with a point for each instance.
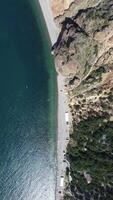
(59, 6)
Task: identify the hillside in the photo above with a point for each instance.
(84, 55)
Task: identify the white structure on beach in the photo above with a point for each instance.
(61, 182)
(67, 117)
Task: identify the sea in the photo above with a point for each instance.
(27, 104)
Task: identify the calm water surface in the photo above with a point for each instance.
(27, 82)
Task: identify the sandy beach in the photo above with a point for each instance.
(47, 13)
(63, 128)
(62, 137)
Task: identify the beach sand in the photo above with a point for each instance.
(63, 128)
(47, 13)
(63, 135)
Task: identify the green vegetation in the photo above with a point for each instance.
(100, 12)
(110, 95)
(93, 154)
(96, 50)
(88, 51)
(95, 76)
(87, 68)
(95, 14)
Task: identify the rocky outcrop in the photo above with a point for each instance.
(60, 6)
(84, 50)
(67, 8)
(84, 55)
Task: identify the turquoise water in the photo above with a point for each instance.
(27, 105)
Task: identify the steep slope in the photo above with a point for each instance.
(59, 6)
(84, 55)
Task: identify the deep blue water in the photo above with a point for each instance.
(26, 104)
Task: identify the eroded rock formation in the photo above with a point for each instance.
(84, 50)
(59, 6)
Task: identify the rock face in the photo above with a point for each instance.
(67, 8)
(59, 6)
(84, 55)
(84, 50)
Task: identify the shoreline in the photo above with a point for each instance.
(62, 105)
(62, 136)
(47, 13)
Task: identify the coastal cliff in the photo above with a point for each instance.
(83, 54)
